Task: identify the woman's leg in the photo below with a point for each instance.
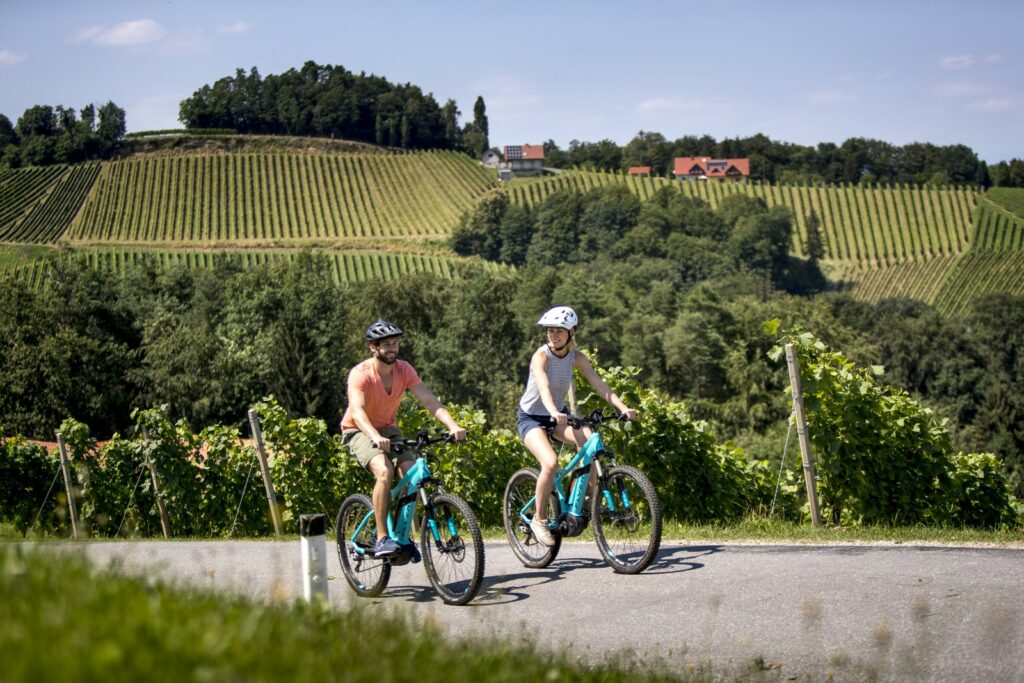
(576, 438)
(537, 443)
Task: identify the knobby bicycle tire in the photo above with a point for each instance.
(367, 575)
(628, 537)
(456, 568)
(531, 552)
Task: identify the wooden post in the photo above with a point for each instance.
(261, 455)
(801, 430)
(165, 521)
(65, 468)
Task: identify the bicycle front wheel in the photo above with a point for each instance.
(520, 489)
(367, 575)
(453, 549)
(627, 520)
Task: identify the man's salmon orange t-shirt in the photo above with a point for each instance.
(381, 407)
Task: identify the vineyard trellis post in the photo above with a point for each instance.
(801, 430)
(66, 470)
(165, 520)
(261, 455)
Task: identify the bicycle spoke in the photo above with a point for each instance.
(627, 521)
(519, 492)
(367, 575)
(453, 549)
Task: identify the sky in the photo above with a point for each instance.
(801, 72)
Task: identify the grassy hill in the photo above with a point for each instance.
(944, 246)
(345, 266)
(380, 213)
(877, 225)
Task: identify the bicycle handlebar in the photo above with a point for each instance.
(594, 419)
(422, 439)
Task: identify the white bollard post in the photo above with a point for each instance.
(314, 556)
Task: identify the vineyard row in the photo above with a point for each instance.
(882, 225)
(345, 266)
(253, 197)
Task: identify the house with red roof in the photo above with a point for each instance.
(703, 168)
(524, 160)
(642, 171)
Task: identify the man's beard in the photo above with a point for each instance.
(388, 358)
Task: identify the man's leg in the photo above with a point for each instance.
(380, 466)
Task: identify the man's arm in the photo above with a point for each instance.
(427, 399)
(357, 408)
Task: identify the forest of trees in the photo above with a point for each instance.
(329, 101)
(670, 287)
(45, 134)
(857, 160)
(742, 236)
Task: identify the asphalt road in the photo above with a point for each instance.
(855, 612)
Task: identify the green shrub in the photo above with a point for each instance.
(697, 480)
(882, 456)
(26, 471)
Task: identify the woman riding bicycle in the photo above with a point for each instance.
(543, 403)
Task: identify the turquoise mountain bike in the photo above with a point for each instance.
(625, 511)
(453, 548)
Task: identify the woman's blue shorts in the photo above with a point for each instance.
(527, 422)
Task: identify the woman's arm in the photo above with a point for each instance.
(601, 387)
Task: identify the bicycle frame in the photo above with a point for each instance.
(578, 471)
(401, 514)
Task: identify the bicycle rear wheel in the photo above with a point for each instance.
(627, 520)
(367, 575)
(521, 488)
(454, 558)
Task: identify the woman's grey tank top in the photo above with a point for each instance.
(559, 380)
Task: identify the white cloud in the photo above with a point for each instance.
(671, 105)
(125, 34)
(957, 61)
(237, 27)
(185, 42)
(8, 58)
(505, 95)
(992, 58)
(85, 34)
(830, 96)
(961, 89)
(991, 104)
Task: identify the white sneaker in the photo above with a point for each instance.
(541, 532)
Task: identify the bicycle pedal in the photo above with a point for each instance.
(414, 553)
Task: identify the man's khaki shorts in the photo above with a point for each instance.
(363, 449)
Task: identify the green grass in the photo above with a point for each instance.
(22, 255)
(65, 620)
(760, 530)
(1011, 199)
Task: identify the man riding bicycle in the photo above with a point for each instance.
(375, 389)
(543, 403)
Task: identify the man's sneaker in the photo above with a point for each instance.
(385, 546)
(413, 551)
(541, 532)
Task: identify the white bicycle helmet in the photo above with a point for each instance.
(559, 316)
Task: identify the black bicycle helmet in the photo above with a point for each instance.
(382, 329)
